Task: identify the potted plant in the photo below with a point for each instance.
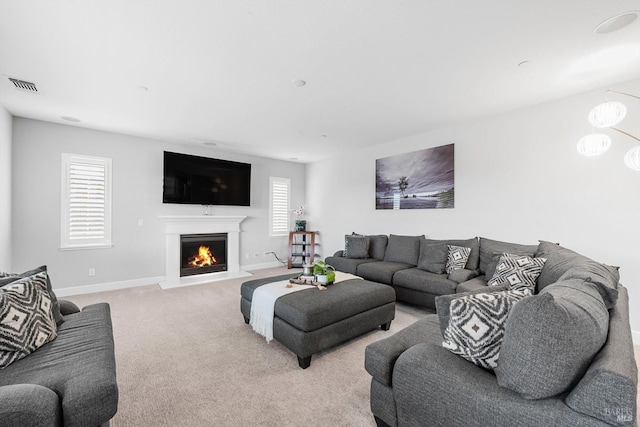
(324, 272)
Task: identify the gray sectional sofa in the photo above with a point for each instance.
(566, 355)
(70, 381)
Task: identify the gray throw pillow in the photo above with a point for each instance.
(551, 338)
(356, 247)
(404, 249)
(433, 256)
(26, 319)
(489, 248)
(457, 257)
(55, 305)
(477, 323)
(561, 261)
(518, 271)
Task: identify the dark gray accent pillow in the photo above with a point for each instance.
(356, 246)
(489, 248)
(551, 338)
(405, 249)
(567, 264)
(55, 307)
(378, 246)
(433, 254)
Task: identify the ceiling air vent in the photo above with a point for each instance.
(22, 85)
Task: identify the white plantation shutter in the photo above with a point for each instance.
(279, 189)
(86, 202)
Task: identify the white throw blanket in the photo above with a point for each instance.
(264, 299)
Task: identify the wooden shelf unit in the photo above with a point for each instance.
(302, 244)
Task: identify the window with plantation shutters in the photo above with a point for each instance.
(279, 189)
(86, 202)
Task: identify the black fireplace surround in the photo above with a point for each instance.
(196, 248)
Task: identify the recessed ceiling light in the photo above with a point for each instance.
(210, 143)
(143, 89)
(299, 82)
(293, 158)
(617, 22)
(70, 119)
(324, 136)
(524, 64)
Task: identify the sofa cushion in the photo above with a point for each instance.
(347, 265)
(404, 249)
(551, 338)
(443, 302)
(55, 307)
(26, 319)
(518, 271)
(457, 257)
(356, 247)
(561, 260)
(380, 356)
(381, 271)
(476, 283)
(378, 246)
(489, 248)
(79, 366)
(477, 323)
(424, 281)
(608, 389)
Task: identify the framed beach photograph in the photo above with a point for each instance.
(418, 180)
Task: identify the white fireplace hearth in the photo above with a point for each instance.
(177, 225)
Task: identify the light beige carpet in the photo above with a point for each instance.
(185, 357)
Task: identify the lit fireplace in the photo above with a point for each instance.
(203, 253)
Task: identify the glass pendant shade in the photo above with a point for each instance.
(632, 158)
(594, 144)
(607, 114)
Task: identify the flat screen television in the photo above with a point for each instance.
(198, 180)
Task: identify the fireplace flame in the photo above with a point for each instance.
(203, 259)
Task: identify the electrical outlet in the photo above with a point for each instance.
(92, 272)
(140, 223)
(246, 255)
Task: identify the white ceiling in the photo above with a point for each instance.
(375, 70)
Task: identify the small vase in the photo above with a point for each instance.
(301, 225)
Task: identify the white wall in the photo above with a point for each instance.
(518, 178)
(138, 252)
(5, 190)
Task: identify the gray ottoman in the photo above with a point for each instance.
(312, 320)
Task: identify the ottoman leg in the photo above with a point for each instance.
(246, 320)
(386, 326)
(304, 362)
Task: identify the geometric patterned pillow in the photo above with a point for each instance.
(457, 258)
(26, 319)
(476, 325)
(518, 271)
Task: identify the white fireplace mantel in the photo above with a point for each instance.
(177, 225)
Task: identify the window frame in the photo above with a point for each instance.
(273, 180)
(66, 241)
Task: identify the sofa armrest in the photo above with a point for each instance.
(67, 307)
(462, 275)
(431, 384)
(29, 405)
(339, 253)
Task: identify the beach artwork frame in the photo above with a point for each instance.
(421, 179)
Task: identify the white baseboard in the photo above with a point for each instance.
(199, 279)
(111, 286)
(261, 266)
(636, 337)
